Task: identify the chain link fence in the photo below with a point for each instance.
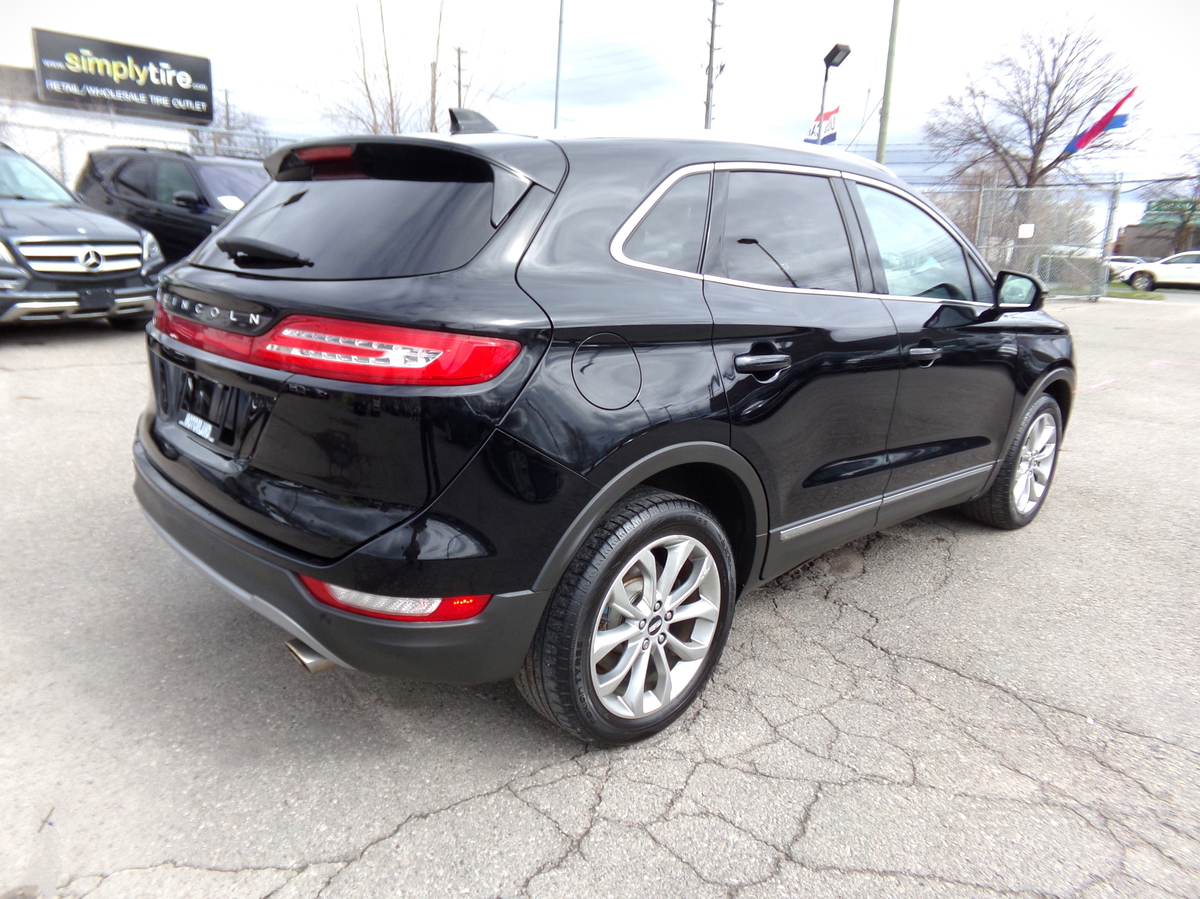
(1060, 234)
(62, 147)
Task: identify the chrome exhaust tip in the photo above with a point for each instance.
(309, 657)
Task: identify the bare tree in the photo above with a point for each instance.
(234, 132)
(376, 104)
(1020, 115)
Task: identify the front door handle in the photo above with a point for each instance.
(761, 363)
(925, 355)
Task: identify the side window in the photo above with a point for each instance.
(786, 230)
(984, 290)
(173, 176)
(920, 258)
(136, 179)
(672, 234)
(1190, 259)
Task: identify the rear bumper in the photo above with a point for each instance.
(489, 647)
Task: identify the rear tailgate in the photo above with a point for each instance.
(313, 462)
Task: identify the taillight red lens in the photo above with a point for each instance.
(397, 608)
(354, 351)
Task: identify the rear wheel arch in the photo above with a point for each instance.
(711, 474)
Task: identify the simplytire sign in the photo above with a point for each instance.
(86, 72)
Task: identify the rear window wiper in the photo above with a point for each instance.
(248, 251)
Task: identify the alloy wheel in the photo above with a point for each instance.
(656, 626)
(1035, 464)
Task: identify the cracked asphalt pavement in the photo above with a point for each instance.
(938, 710)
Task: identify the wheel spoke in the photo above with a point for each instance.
(688, 587)
(677, 555)
(689, 652)
(635, 693)
(606, 641)
(1022, 493)
(702, 608)
(662, 667)
(619, 598)
(610, 680)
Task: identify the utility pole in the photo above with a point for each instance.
(433, 69)
(558, 65)
(712, 75)
(459, 51)
(886, 107)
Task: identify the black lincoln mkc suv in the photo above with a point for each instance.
(479, 406)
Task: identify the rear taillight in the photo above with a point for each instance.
(353, 351)
(397, 608)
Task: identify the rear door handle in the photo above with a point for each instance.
(761, 363)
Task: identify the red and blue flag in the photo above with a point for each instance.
(1110, 120)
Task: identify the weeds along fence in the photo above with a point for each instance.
(1060, 234)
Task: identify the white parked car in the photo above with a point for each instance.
(1182, 269)
(1118, 264)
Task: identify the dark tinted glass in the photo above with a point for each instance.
(786, 231)
(173, 176)
(920, 258)
(672, 234)
(984, 292)
(230, 185)
(136, 179)
(354, 226)
(20, 178)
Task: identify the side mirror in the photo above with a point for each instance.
(1017, 291)
(186, 199)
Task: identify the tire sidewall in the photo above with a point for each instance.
(682, 517)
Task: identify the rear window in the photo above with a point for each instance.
(231, 185)
(387, 212)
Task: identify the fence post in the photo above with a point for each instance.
(1114, 199)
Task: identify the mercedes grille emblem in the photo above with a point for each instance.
(90, 259)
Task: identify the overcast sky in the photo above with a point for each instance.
(638, 65)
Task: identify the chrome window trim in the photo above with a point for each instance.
(616, 247)
(785, 168)
(809, 291)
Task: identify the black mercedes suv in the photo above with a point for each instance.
(180, 197)
(61, 261)
(477, 406)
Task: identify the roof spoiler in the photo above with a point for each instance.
(468, 121)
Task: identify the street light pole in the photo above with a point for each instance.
(712, 76)
(558, 67)
(885, 108)
(833, 58)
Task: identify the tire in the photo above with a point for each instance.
(1141, 281)
(1020, 490)
(652, 661)
(136, 322)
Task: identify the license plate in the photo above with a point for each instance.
(198, 425)
(95, 299)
